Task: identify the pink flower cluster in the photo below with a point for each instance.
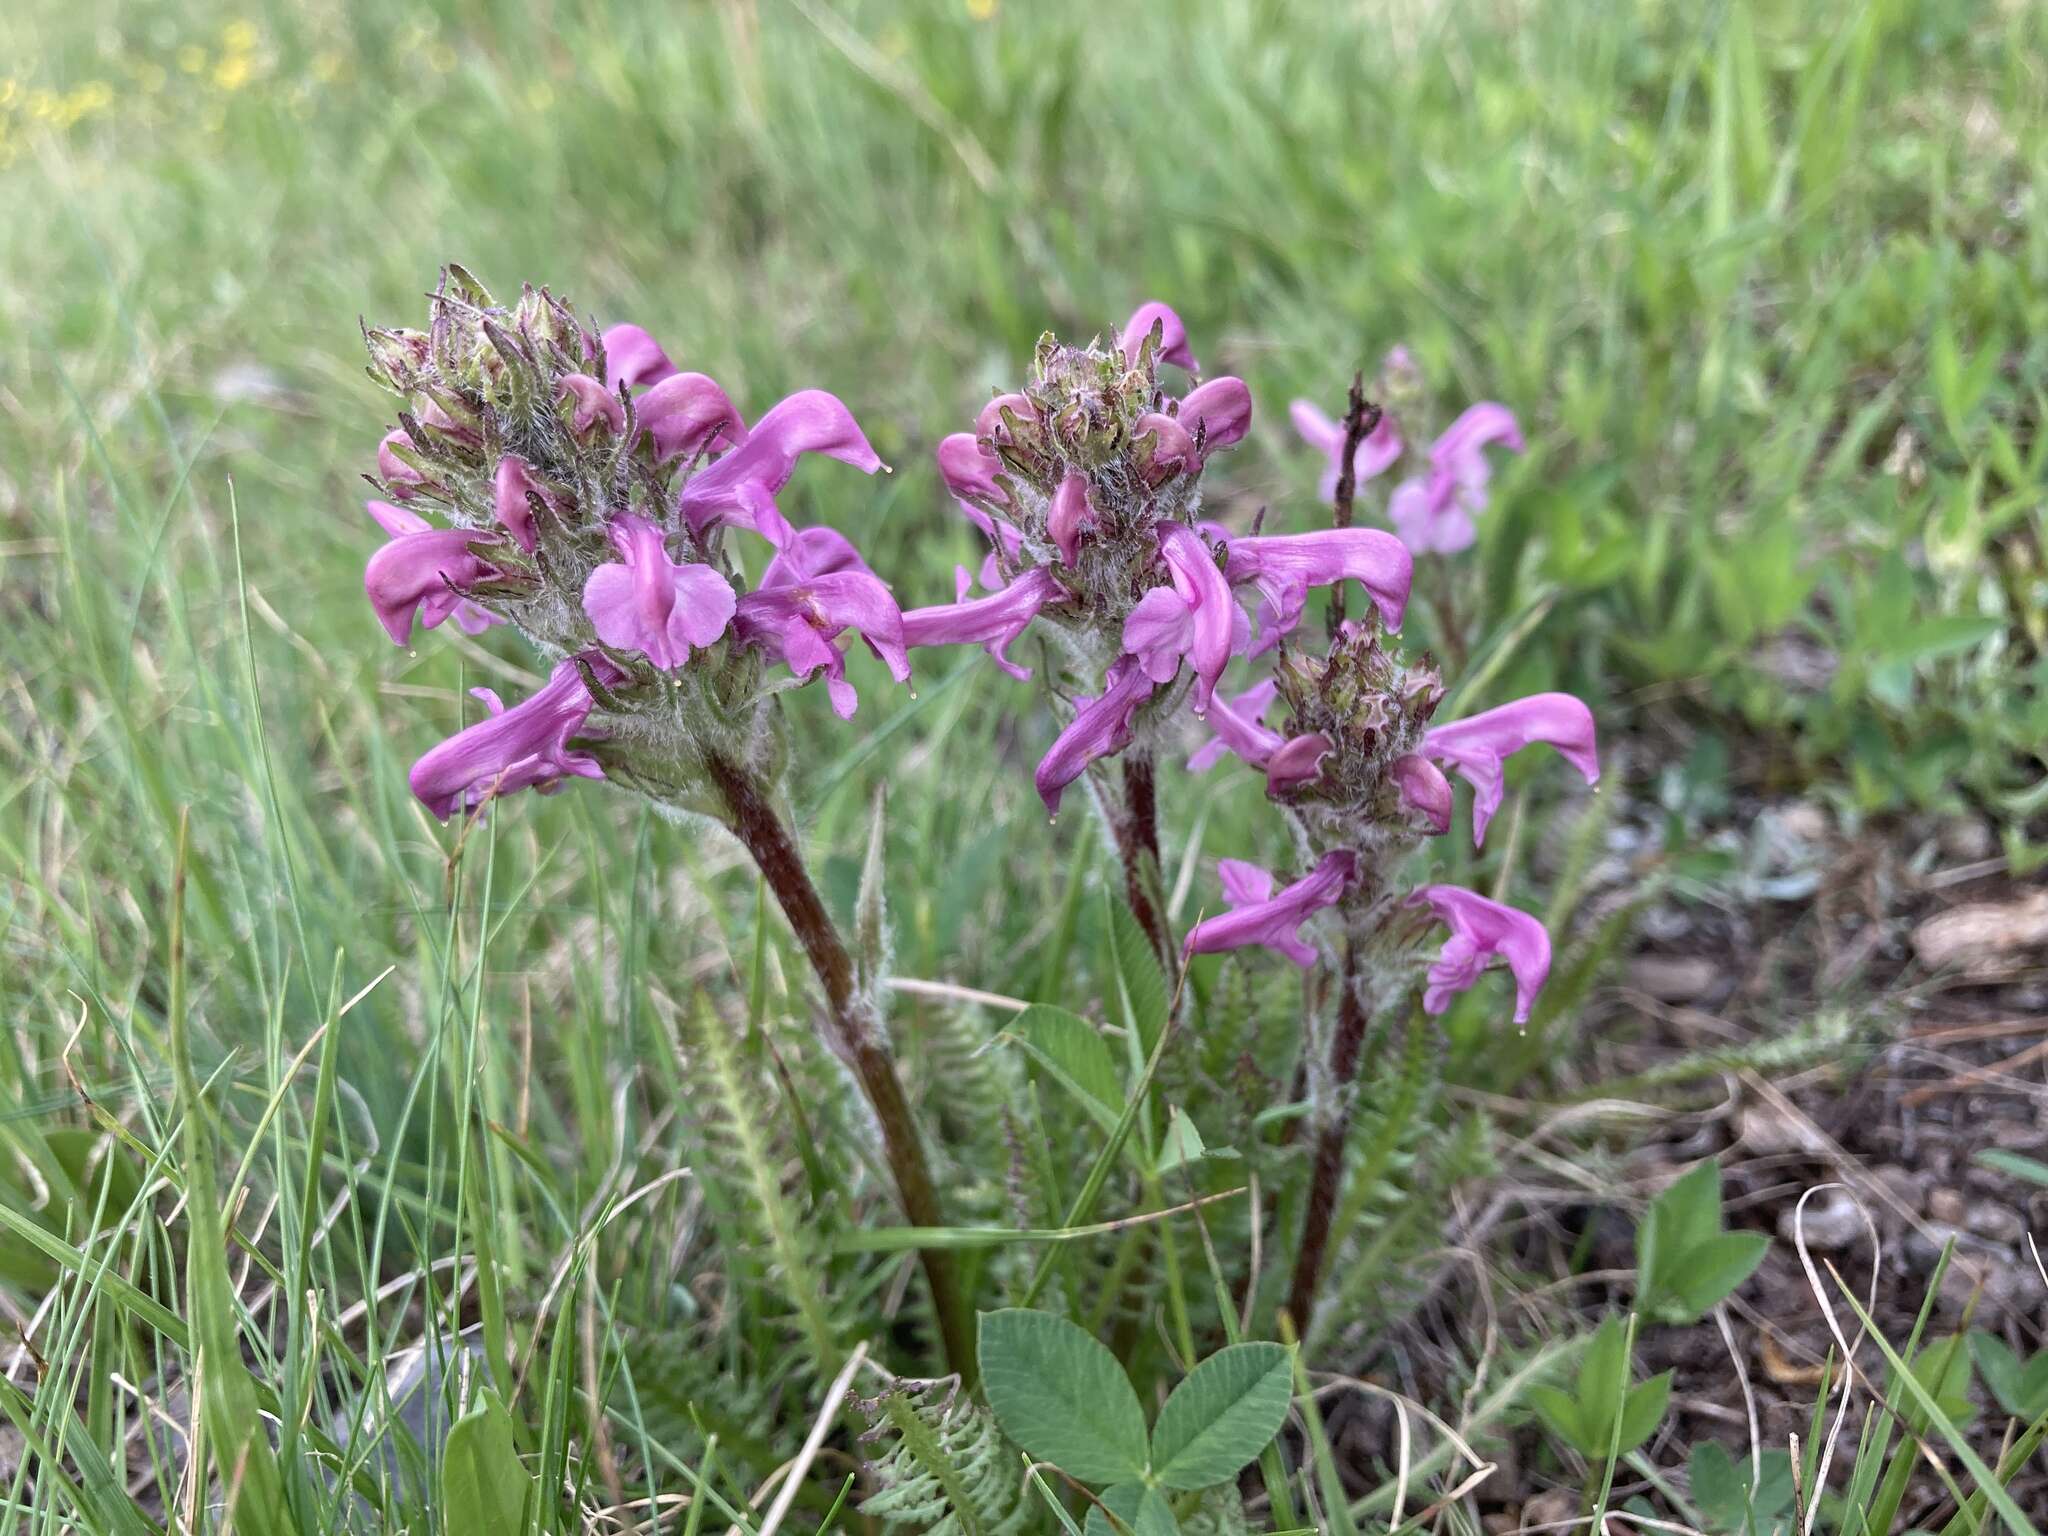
(595, 523)
(1086, 484)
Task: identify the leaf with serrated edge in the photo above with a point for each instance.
(1227, 1411)
(1061, 1395)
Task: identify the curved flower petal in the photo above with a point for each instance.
(688, 414)
(1479, 746)
(399, 477)
(1156, 633)
(989, 423)
(1284, 566)
(1100, 726)
(1173, 336)
(1481, 929)
(1070, 511)
(1424, 791)
(969, 469)
(1457, 451)
(1434, 513)
(1238, 725)
(1244, 883)
(1272, 920)
(632, 357)
(593, 403)
(1314, 426)
(422, 572)
(740, 488)
(1221, 408)
(993, 622)
(1295, 762)
(524, 747)
(510, 487)
(1212, 611)
(1430, 523)
(798, 621)
(1173, 451)
(648, 603)
(396, 520)
(815, 551)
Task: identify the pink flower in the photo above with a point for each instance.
(1433, 513)
(1297, 761)
(1173, 336)
(422, 570)
(1424, 790)
(1221, 410)
(969, 469)
(1481, 929)
(815, 551)
(740, 488)
(1237, 724)
(989, 423)
(1195, 617)
(1071, 510)
(524, 747)
(593, 403)
(687, 414)
(1380, 447)
(1172, 451)
(1284, 566)
(796, 616)
(510, 487)
(632, 357)
(648, 603)
(1100, 726)
(993, 622)
(399, 477)
(1261, 917)
(1478, 747)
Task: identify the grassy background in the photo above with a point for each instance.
(1765, 282)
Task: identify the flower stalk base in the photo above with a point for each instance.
(852, 1030)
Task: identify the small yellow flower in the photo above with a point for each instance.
(7, 89)
(233, 71)
(238, 37)
(981, 10)
(192, 58)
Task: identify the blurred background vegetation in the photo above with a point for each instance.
(1766, 282)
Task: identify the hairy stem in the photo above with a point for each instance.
(1135, 822)
(853, 1032)
(1326, 1174)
